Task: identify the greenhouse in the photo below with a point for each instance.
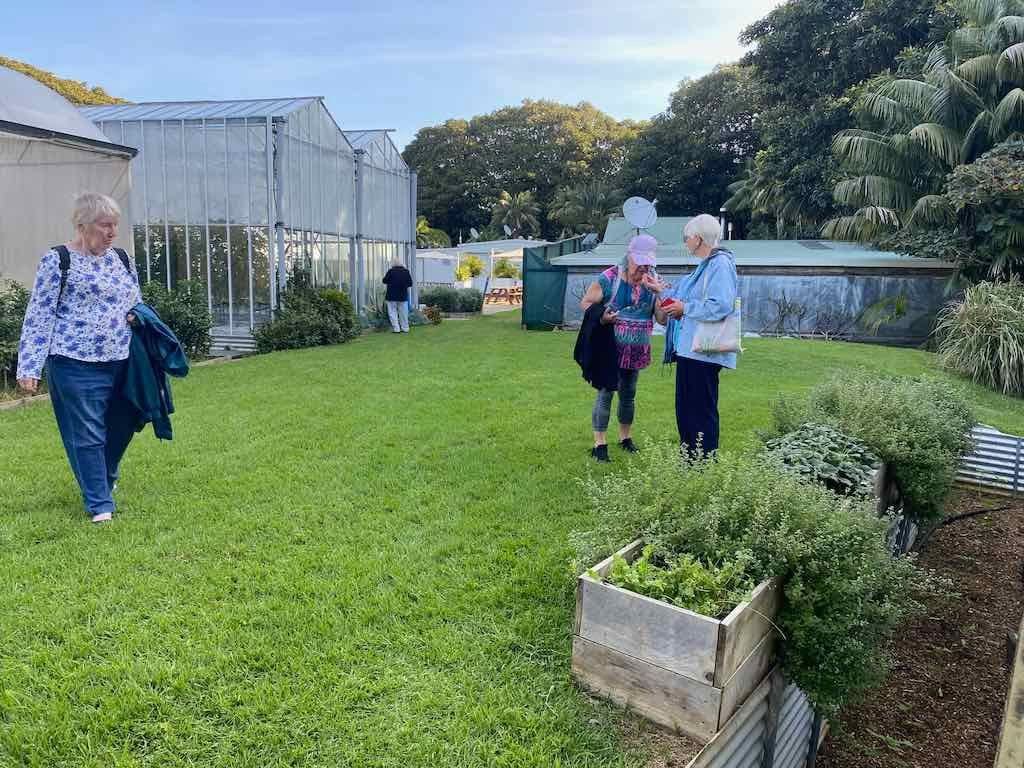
(235, 193)
(48, 151)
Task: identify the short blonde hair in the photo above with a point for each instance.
(706, 227)
(90, 206)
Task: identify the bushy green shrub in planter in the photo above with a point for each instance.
(823, 454)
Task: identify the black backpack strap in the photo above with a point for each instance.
(124, 259)
(64, 256)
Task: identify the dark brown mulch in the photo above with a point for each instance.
(943, 703)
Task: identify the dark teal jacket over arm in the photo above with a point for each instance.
(155, 353)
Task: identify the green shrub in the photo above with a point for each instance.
(443, 297)
(13, 303)
(451, 299)
(307, 317)
(844, 592)
(686, 581)
(185, 310)
(982, 336)
(825, 455)
(471, 266)
(505, 268)
(470, 300)
(919, 426)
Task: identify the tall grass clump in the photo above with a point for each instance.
(981, 336)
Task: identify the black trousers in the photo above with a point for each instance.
(697, 404)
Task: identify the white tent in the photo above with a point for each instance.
(48, 153)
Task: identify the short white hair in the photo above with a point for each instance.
(706, 227)
(90, 206)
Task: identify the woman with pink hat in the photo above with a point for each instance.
(628, 292)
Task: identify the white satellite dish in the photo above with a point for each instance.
(640, 213)
(508, 230)
(473, 233)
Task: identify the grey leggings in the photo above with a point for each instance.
(603, 404)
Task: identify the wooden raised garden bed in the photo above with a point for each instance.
(682, 670)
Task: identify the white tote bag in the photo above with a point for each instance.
(719, 336)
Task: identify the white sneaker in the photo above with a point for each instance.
(103, 517)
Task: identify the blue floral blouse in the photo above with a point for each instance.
(90, 322)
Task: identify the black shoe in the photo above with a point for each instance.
(628, 445)
(600, 452)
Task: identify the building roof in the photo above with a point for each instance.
(27, 107)
(198, 110)
(749, 253)
(379, 148)
(484, 248)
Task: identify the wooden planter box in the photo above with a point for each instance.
(682, 670)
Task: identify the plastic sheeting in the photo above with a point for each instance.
(38, 180)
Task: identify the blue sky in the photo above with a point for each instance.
(399, 64)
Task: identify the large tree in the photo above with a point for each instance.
(968, 97)
(688, 155)
(807, 54)
(536, 147)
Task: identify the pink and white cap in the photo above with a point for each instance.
(643, 249)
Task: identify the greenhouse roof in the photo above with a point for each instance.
(29, 108)
(378, 146)
(198, 110)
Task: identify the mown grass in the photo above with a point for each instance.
(349, 556)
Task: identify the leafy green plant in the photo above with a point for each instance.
(981, 336)
(13, 303)
(505, 268)
(470, 266)
(451, 299)
(307, 317)
(844, 592)
(919, 426)
(185, 311)
(686, 581)
(825, 455)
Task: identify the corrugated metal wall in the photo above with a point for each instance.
(995, 461)
(793, 737)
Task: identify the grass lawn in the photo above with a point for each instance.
(348, 556)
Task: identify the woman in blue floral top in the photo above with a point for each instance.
(78, 329)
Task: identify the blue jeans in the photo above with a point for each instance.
(603, 404)
(95, 424)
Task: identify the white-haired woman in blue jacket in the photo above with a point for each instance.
(706, 294)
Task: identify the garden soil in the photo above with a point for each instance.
(943, 702)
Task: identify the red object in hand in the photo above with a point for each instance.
(666, 302)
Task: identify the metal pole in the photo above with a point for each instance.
(184, 166)
(145, 191)
(320, 178)
(338, 226)
(413, 180)
(358, 284)
(271, 250)
(280, 146)
(248, 226)
(227, 230)
(206, 214)
(167, 224)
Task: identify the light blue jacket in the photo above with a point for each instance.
(716, 304)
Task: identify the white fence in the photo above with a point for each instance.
(995, 461)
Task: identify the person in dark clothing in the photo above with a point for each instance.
(399, 281)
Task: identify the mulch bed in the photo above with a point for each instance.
(943, 702)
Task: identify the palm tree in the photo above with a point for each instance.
(518, 211)
(428, 237)
(970, 98)
(585, 208)
(762, 196)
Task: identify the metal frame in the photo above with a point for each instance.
(365, 225)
